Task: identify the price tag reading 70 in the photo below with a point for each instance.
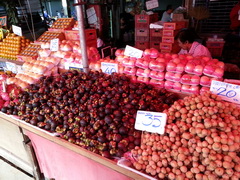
(151, 121)
(227, 91)
(133, 52)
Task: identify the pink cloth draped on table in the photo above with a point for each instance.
(60, 163)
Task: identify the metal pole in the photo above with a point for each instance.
(78, 6)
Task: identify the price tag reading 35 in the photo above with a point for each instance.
(133, 52)
(227, 91)
(151, 121)
(109, 68)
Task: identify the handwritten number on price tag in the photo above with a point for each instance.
(151, 121)
(154, 120)
(226, 91)
(133, 52)
(109, 68)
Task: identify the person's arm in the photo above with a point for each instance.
(182, 51)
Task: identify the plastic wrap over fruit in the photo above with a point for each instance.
(157, 75)
(157, 83)
(157, 66)
(143, 79)
(142, 63)
(143, 72)
(190, 79)
(190, 89)
(171, 76)
(130, 71)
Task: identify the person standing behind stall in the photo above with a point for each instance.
(187, 41)
(166, 17)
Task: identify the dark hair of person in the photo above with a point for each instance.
(169, 7)
(185, 35)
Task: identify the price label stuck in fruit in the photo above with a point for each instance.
(133, 52)
(74, 66)
(152, 4)
(11, 67)
(17, 30)
(109, 68)
(54, 44)
(151, 121)
(228, 92)
(3, 20)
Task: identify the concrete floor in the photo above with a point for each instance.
(8, 172)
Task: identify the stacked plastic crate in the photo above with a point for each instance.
(155, 38)
(170, 29)
(142, 30)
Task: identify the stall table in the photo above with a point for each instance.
(62, 160)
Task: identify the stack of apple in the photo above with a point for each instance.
(33, 70)
(182, 73)
(69, 52)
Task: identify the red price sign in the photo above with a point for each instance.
(3, 21)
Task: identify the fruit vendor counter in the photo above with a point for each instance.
(63, 160)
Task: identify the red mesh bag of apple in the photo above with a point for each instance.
(201, 141)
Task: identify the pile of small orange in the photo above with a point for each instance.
(12, 45)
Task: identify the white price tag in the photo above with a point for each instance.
(151, 121)
(152, 4)
(109, 68)
(17, 30)
(133, 52)
(54, 44)
(73, 66)
(227, 91)
(11, 67)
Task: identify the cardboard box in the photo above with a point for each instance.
(169, 26)
(155, 39)
(165, 51)
(155, 45)
(167, 39)
(141, 45)
(170, 33)
(156, 32)
(90, 34)
(142, 38)
(166, 46)
(175, 25)
(181, 24)
(142, 32)
(146, 19)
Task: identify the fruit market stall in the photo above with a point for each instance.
(60, 159)
(87, 121)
